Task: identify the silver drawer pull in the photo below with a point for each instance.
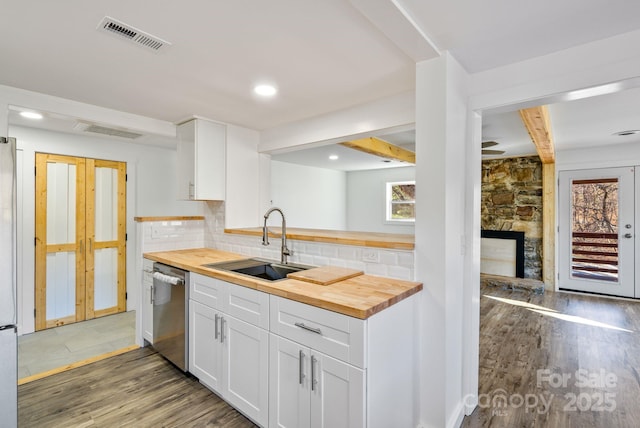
(313, 373)
(306, 327)
(300, 367)
(216, 326)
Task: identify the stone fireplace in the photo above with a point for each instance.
(512, 202)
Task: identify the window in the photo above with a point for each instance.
(401, 201)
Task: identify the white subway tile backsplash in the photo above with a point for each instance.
(400, 272)
(349, 253)
(388, 258)
(304, 259)
(406, 259)
(320, 261)
(352, 264)
(338, 262)
(376, 269)
(330, 251)
(314, 249)
(174, 235)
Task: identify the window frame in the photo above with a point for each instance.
(389, 203)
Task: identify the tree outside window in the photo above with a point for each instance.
(401, 201)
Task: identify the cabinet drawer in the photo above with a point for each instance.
(337, 335)
(206, 290)
(248, 305)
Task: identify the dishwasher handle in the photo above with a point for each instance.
(168, 279)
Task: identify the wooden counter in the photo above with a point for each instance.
(363, 239)
(168, 218)
(359, 297)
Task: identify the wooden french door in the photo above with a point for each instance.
(597, 231)
(80, 239)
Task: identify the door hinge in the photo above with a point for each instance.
(126, 296)
(34, 313)
(126, 177)
(35, 241)
(126, 236)
(35, 170)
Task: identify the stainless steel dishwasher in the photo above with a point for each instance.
(170, 313)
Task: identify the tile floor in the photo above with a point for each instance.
(56, 347)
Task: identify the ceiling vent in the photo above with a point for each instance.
(104, 130)
(124, 31)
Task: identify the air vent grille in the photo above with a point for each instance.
(104, 130)
(132, 34)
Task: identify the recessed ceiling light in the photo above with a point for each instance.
(629, 132)
(333, 157)
(265, 90)
(31, 115)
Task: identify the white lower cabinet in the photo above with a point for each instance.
(311, 389)
(287, 364)
(147, 300)
(228, 355)
(205, 348)
(246, 365)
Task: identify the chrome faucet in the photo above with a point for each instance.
(284, 251)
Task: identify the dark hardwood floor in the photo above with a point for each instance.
(539, 370)
(136, 389)
(536, 370)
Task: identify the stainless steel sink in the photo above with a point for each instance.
(259, 268)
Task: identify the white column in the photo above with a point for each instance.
(441, 185)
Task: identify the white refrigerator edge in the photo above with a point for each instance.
(8, 290)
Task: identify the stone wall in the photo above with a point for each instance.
(512, 200)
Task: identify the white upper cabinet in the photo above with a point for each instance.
(201, 160)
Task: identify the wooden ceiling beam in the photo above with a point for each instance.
(378, 147)
(536, 120)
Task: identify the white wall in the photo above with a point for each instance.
(366, 199)
(310, 197)
(598, 157)
(392, 113)
(441, 137)
(150, 192)
(244, 174)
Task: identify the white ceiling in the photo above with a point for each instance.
(322, 55)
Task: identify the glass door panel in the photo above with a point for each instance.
(596, 222)
(106, 233)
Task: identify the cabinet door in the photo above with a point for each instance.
(201, 160)
(246, 365)
(337, 393)
(186, 154)
(289, 405)
(205, 349)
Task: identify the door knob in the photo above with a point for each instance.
(628, 235)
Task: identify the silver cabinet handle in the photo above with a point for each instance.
(222, 329)
(313, 373)
(301, 366)
(152, 294)
(306, 327)
(216, 326)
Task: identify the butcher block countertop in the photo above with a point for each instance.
(394, 241)
(361, 296)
